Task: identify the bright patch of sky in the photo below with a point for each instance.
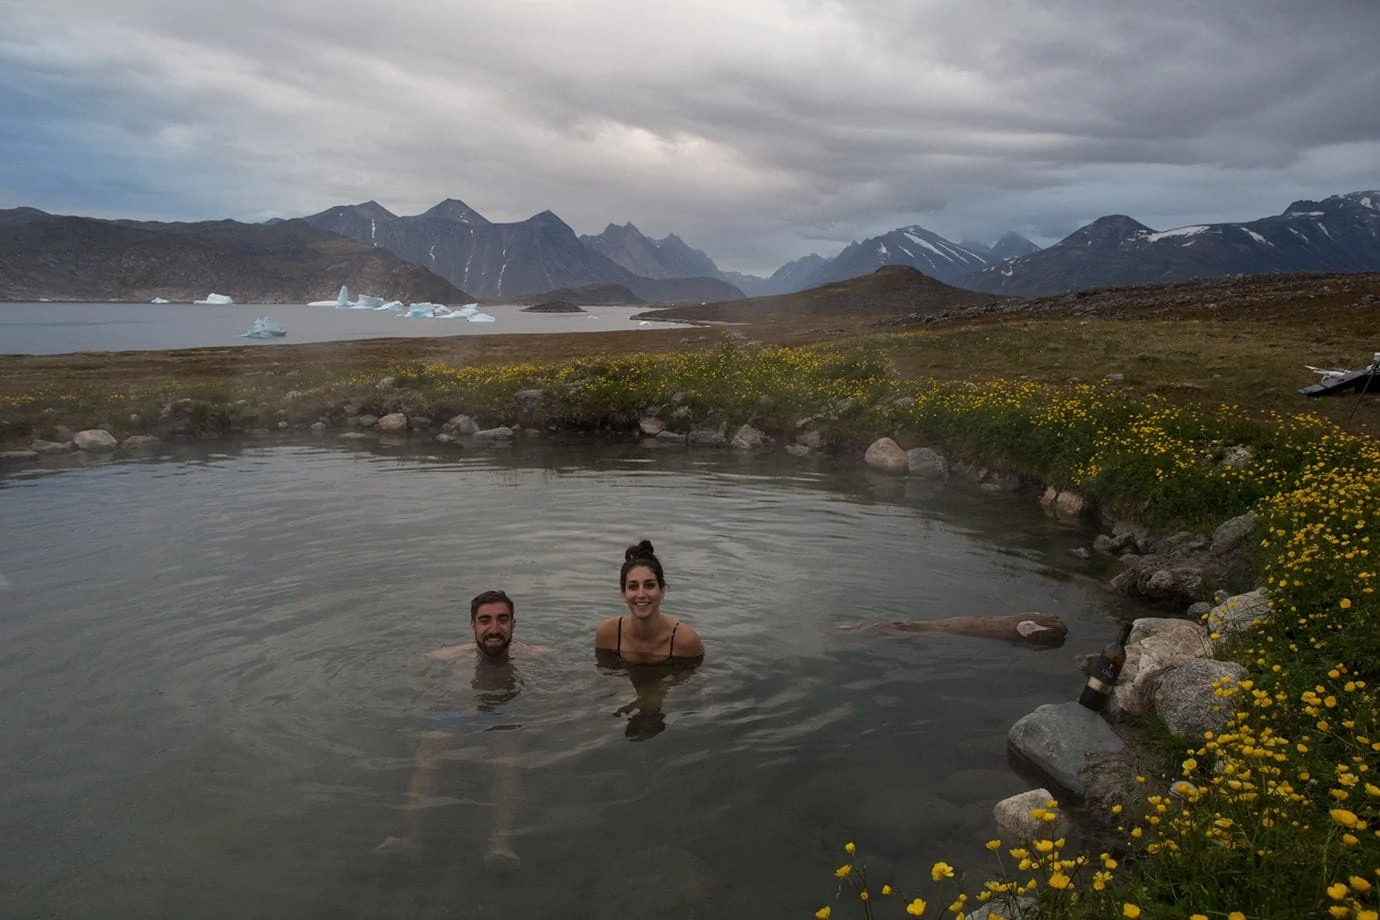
(758, 132)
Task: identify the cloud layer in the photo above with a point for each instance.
(757, 131)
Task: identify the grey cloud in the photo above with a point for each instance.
(757, 131)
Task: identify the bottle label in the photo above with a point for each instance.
(1099, 686)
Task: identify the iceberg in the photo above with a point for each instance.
(159, 300)
(367, 302)
(342, 301)
(420, 311)
(217, 298)
(481, 318)
(264, 328)
(391, 305)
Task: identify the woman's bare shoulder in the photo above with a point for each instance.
(688, 644)
(605, 632)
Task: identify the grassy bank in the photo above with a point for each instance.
(1276, 817)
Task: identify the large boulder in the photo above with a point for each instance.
(1059, 740)
(1187, 702)
(95, 441)
(501, 433)
(393, 423)
(1229, 535)
(707, 437)
(926, 463)
(1240, 613)
(1064, 504)
(46, 448)
(886, 455)
(746, 438)
(651, 425)
(462, 425)
(1155, 645)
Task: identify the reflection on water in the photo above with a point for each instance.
(212, 705)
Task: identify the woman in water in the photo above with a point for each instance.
(645, 635)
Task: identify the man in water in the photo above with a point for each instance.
(496, 681)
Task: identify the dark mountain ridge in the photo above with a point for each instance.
(82, 258)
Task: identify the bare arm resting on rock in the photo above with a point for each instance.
(1039, 628)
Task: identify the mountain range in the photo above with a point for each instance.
(82, 258)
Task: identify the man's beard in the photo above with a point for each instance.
(489, 650)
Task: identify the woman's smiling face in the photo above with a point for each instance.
(642, 592)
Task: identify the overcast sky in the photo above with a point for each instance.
(757, 130)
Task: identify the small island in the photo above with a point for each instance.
(554, 306)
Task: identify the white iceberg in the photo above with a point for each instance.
(481, 318)
(391, 305)
(367, 302)
(420, 311)
(217, 299)
(342, 301)
(265, 328)
(159, 300)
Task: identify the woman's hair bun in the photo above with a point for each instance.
(640, 550)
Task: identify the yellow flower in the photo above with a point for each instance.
(1343, 817)
(1130, 910)
(824, 912)
(1059, 881)
(1198, 917)
(1043, 846)
(849, 848)
(863, 895)
(1359, 884)
(843, 870)
(993, 845)
(1336, 891)
(916, 908)
(1339, 911)
(886, 889)
(1236, 915)
(1346, 603)
(941, 870)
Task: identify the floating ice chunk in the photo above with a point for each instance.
(592, 316)
(342, 301)
(217, 298)
(367, 302)
(481, 318)
(391, 305)
(645, 322)
(420, 311)
(264, 328)
(159, 300)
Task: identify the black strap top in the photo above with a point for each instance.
(670, 651)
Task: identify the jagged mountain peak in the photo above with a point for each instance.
(456, 210)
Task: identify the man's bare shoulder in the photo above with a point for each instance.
(540, 651)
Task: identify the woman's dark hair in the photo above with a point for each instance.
(641, 554)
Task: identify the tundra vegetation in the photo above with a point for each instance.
(1275, 818)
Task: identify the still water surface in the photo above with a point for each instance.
(210, 694)
(60, 328)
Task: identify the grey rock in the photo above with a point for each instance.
(1016, 825)
(1186, 701)
(443, 438)
(18, 456)
(1156, 644)
(501, 433)
(354, 436)
(1023, 907)
(811, 438)
(393, 423)
(886, 455)
(670, 437)
(140, 442)
(45, 448)
(682, 414)
(651, 426)
(318, 428)
(418, 422)
(927, 463)
(798, 450)
(387, 383)
(707, 437)
(528, 400)
(1237, 614)
(1064, 504)
(1058, 739)
(1197, 610)
(283, 426)
(462, 425)
(95, 441)
(365, 421)
(746, 438)
(1239, 457)
(1230, 534)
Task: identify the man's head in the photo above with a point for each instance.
(492, 618)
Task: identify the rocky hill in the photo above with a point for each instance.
(47, 256)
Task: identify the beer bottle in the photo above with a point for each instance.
(1104, 674)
